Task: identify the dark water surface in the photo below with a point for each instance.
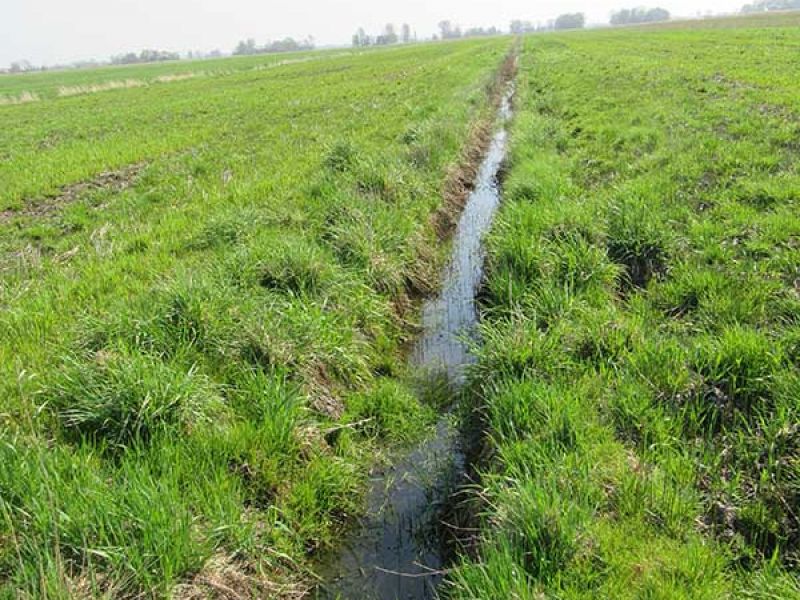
(397, 550)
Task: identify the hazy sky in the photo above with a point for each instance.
(50, 31)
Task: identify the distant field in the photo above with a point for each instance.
(779, 19)
(51, 84)
(640, 374)
(205, 289)
(72, 124)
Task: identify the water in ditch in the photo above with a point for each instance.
(397, 550)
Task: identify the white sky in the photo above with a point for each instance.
(51, 31)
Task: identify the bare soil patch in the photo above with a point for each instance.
(114, 181)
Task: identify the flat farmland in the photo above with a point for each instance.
(639, 374)
(226, 287)
(204, 282)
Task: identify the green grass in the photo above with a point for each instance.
(52, 84)
(208, 284)
(199, 364)
(639, 376)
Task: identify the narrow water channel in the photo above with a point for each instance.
(397, 549)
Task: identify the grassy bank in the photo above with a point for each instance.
(204, 284)
(639, 375)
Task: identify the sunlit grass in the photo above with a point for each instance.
(639, 374)
(200, 364)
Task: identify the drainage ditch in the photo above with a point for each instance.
(398, 550)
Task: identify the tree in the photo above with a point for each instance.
(246, 47)
(360, 38)
(406, 33)
(628, 16)
(768, 5)
(518, 26)
(570, 21)
(390, 34)
(20, 66)
(448, 31)
(148, 56)
(145, 56)
(288, 45)
(480, 31)
(655, 15)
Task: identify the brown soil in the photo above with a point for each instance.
(115, 181)
(224, 578)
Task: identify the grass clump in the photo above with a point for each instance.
(341, 157)
(635, 240)
(738, 368)
(294, 268)
(383, 412)
(121, 398)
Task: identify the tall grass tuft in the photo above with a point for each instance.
(120, 397)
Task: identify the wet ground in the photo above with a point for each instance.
(398, 550)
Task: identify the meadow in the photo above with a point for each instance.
(210, 279)
(639, 375)
(51, 84)
(207, 286)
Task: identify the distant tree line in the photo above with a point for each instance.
(145, 56)
(447, 31)
(201, 54)
(578, 20)
(565, 21)
(388, 36)
(249, 46)
(21, 66)
(24, 66)
(519, 27)
(450, 31)
(630, 16)
(481, 31)
(767, 5)
(570, 21)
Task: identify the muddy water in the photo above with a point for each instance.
(397, 550)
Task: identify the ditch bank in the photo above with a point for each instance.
(402, 545)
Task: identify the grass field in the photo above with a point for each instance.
(769, 19)
(48, 85)
(204, 283)
(210, 274)
(639, 376)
